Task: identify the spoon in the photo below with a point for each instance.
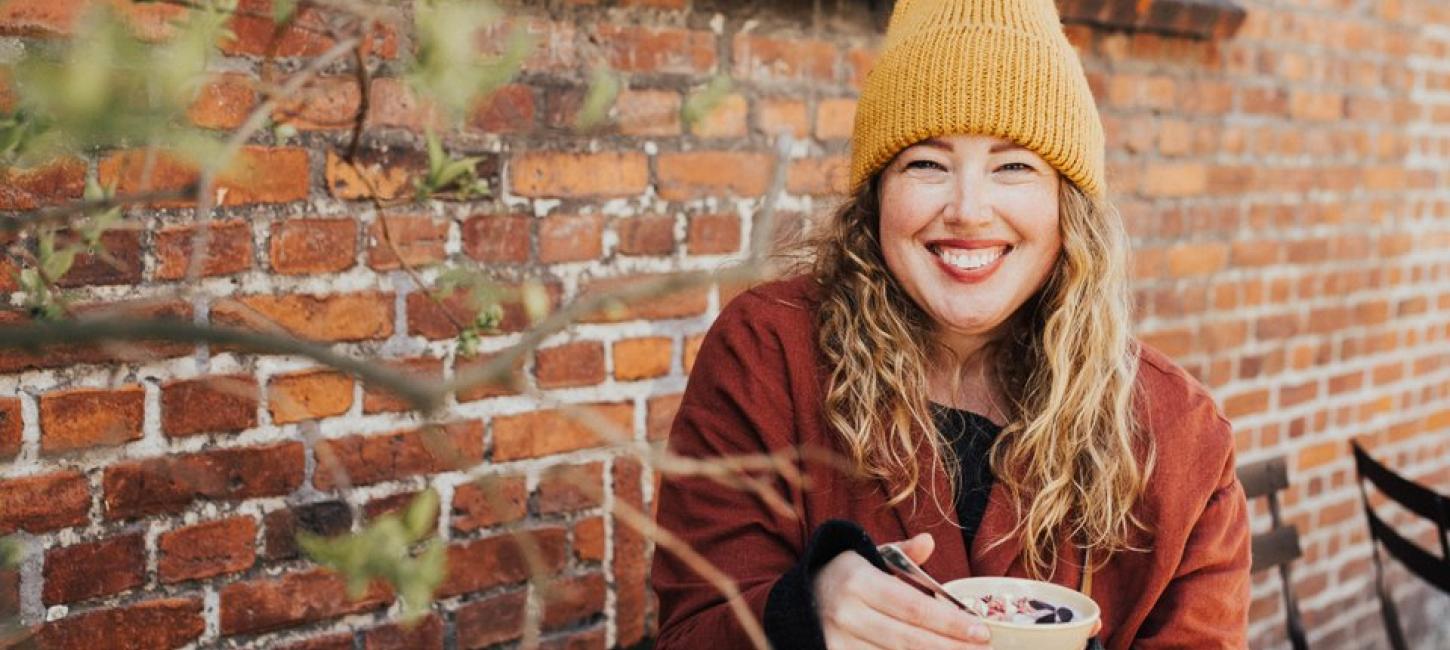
(903, 567)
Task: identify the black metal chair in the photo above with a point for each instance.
(1414, 498)
(1278, 546)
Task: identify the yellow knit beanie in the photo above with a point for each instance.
(992, 67)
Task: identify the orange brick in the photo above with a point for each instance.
(724, 120)
(497, 237)
(489, 501)
(713, 234)
(326, 102)
(378, 399)
(678, 304)
(223, 102)
(544, 433)
(571, 238)
(257, 175)
(648, 112)
(48, 183)
(1186, 260)
(1319, 454)
(661, 416)
(391, 103)
(551, 174)
(819, 176)
(567, 488)
(762, 58)
(88, 417)
(642, 358)
(384, 175)
(308, 246)
(343, 317)
(228, 250)
(255, 33)
(651, 49)
(784, 115)
(692, 175)
(572, 364)
(692, 350)
(308, 395)
(420, 241)
(835, 118)
(589, 539)
(1175, 180)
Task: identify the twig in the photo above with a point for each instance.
(60, 214)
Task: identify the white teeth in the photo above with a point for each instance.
(968, 260)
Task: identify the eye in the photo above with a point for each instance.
(1017, 166)
(925, 164)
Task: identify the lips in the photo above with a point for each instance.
(968, 256)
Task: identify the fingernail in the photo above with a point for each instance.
(978, 631)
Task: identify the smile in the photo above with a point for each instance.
(968, 259)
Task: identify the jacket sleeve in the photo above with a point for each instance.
(738, 402)
(1206, 603)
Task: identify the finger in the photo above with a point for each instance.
(919, 548)
(1097, 627)
(881, 630)
(904, 603)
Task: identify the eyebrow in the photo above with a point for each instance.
(1005, 145)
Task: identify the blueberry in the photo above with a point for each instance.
(1064, 613)
(1047, 618)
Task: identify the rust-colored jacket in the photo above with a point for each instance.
(757, 388)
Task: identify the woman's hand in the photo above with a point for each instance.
(863, 607)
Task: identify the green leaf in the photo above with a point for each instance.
(707, 99)
(282, 10)
(604, 88)
(420, 515)
(58, 263)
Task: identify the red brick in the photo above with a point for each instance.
(426, 317)
(554, 48)
(257, 175)
(310, 246)
(94, 569)
(657, 49)
(324, 518)
(555, 174)
(572, 600)
(228, 250)
(205, 550)
(661, 416)
(571, 238)
(725, 119)
(420, 241)
(677, 304)
(151, 625)
(644, 358)
(256, 34)
(648, 112)
(589, 539)
(40, 17)
(646, 235)
(508, 109)
(1250, 403)
(419, 635)
(572, 364)
(339, 317)
(859, 62)
(566, 488)
(692, 175)
(290, 600)
(88, 417)
(763, 58)
(55, 181)
(630, 568)
(392, 103)
(326, 102)
(396, 505)
(9, 595)
(486, 390)
(379, 399)
(713, 234)
(10, 426)
(783, 116)
(121, 263)
(44, 502)
(1187, 260)
(308, 395)
(1175, 180)
(209, 404)
(489, 501)
(223, 102)
(543, 433)
(587, 639)
(170, 483)
(365, 460)
(500, 560)
(338, 641)
(497, 238)
(835, 118)
(384, 175)
(818, 176)
(491, 621)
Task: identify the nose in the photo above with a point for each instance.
(969, 203)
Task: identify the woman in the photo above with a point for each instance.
(955, 371)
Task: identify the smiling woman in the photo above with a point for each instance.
(954, 370)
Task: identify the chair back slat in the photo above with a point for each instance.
(1415, 498)
(1275, 547)
(1429, 568)
(1264, 477)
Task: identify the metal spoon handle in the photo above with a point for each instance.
(903, 567)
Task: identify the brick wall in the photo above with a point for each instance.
(1285, 189)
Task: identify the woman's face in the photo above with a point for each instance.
(969, 226)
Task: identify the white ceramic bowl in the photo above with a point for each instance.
(1024, 636)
